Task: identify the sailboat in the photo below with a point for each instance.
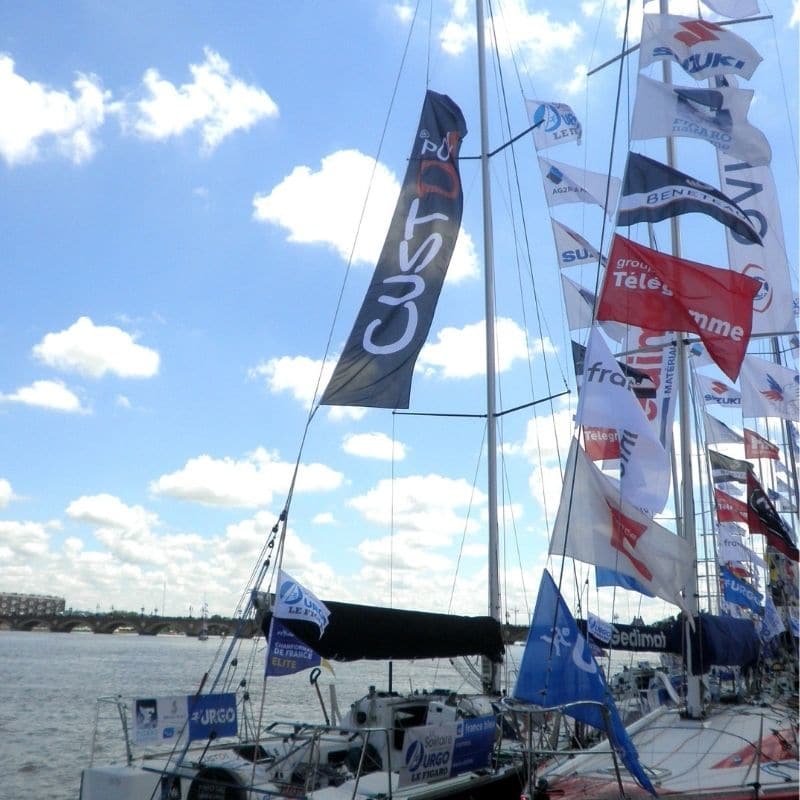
(704, 741)
(433, 744)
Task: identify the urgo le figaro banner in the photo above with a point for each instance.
(378, 360)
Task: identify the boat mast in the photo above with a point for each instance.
(491, 674)
(686, 522)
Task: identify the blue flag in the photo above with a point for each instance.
(739, 592)
(609, 577)
(558, 668)
(286, 654)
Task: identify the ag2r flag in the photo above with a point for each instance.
(658, 291)
(377, 363)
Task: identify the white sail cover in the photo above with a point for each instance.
(596, 526)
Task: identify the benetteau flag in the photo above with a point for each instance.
(661, 292)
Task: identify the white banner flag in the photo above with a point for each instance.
(768, 390)
(715, 115)
(564, 183)
(731, 547)
(715, 391)
(598, 527)
(555, 123)
(572, 248)
(734, 9)
(771, 623)
(294, 601)
(606, 401)
(701, 47)
(753, 190)
(717, 432)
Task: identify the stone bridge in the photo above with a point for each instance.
(144, 625)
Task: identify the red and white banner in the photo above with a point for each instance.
(729, 509)
(756, 446)
(601, 444)
(598, 527)
(651, 289)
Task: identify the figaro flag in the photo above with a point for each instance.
(717, 116)
(651, 289)
(555, 123)
(652, 191)
(377, 362)
(598, 527)
(702, 48)
(558, 667)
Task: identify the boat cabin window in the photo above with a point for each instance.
(407, 717)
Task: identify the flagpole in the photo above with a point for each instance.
(694, 703)
(491, 674)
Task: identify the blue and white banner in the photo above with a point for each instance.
(294, 601)
(564, 183)
(716, 392)
(772, 624)
(286, 654)
(572, 249)
(740, 592)
(435, 752)
(558, 668)
(555, 123)
(599, 628)
(166, 719)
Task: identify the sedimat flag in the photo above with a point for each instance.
(572, 248)
(378, 360)
(717, 392)
(702, 48)
(651, 289)
(564, 183)
(652, 192)
(764, 519)
(753, 190)
(768, 389)
(558, 668)
(717, 116)
(607, 401)
(717, 432)
(555, 123)
(598, 527)
(756, 446)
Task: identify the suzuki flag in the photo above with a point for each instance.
(699, 46)
(756, 446)
(554, 123)
(598, 527)
(768, 389)
(764, 519)
(717, 116)
(572, 248)
(607, 400)
(717, 432)
(558, 668)
(378, 360)
(564, 183)
(652, 191)
(648, 288)
(717, 392)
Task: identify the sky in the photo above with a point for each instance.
(182, 188)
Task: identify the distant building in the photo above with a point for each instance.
(13, 604)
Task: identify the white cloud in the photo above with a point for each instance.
(324, 207)
(93, 350)
(404, 12)
(794, 22)
(215, 101)
(52, 395)
(37, 118)
(299, 375)
(458, 352)
(576, 85)
(6, 493)
(246, 483)
(540, 39)
(122, 401)
(324, 518)
(374, 445)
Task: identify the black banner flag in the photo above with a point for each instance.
(378, 360)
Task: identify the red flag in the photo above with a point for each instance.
(729, 509)
(601, 443)
(756, 446)
(764, 519)
(661, 292)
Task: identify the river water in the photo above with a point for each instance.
(49, 684)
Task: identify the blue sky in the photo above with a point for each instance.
(181, 187)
